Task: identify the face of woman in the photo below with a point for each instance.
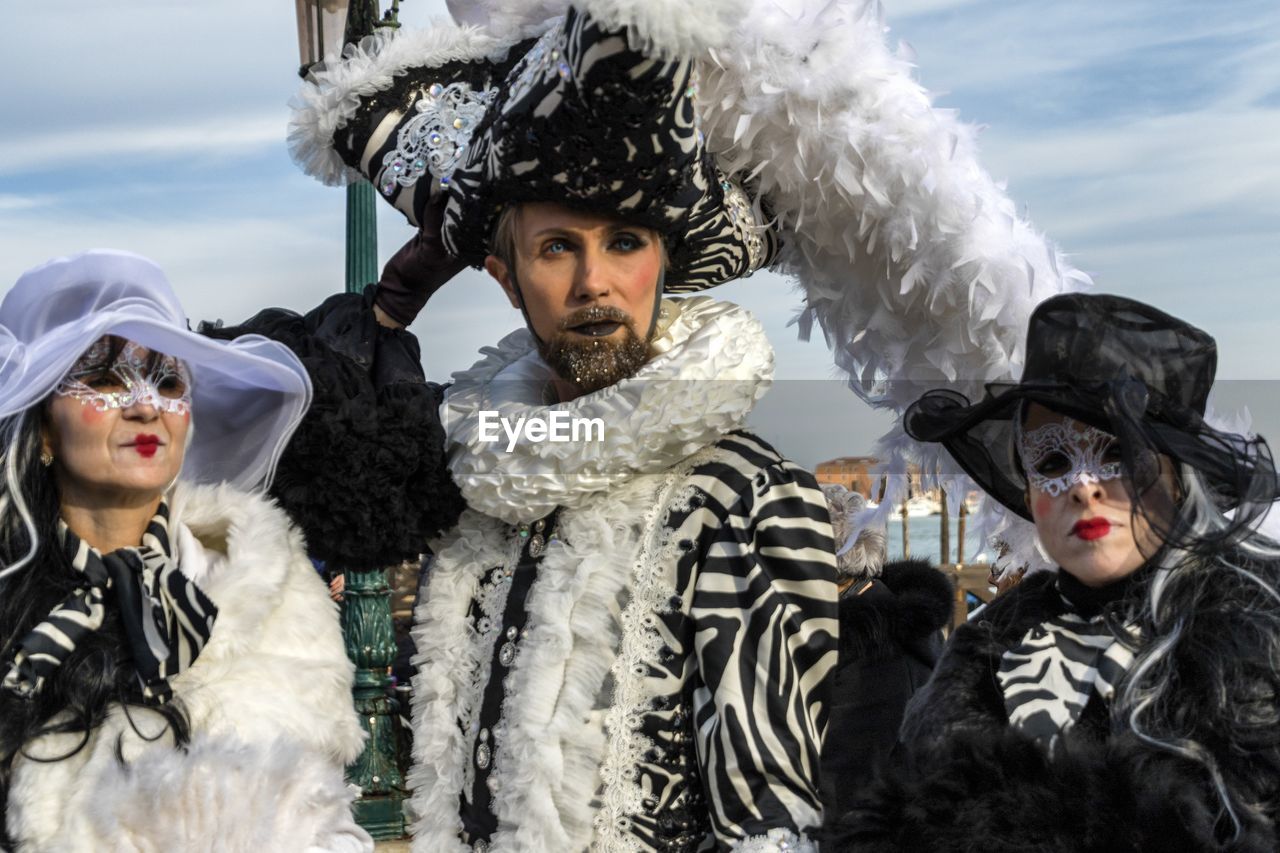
(117, 425)
(1082, 503)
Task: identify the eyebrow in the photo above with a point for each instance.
(563, 231)
(555, 229)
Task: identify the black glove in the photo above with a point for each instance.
(420, 268)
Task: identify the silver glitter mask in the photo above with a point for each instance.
(135, 377)
(1057, 456)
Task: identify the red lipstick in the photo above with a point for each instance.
(1091, 528)
(146, 445)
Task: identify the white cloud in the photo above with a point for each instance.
(12, 203)
(221, 135)
(1009, 46)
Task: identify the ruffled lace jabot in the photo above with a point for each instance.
(710, 363)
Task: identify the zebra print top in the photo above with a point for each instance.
(666, 686)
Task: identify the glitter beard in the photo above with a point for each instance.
(595, 363)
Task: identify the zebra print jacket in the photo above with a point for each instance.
(624, 644)
(967, 779)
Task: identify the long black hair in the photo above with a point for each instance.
(99, 673)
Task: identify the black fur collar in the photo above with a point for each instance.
(910, 601)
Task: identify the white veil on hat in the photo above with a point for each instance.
(248, 395)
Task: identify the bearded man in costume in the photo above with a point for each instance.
(623, 643)
(913, 261)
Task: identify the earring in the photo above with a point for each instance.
(46, 458)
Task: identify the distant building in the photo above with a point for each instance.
(852, 472)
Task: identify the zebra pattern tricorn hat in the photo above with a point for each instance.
(577, 116)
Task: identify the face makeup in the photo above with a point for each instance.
(146, 445)
(1090, 529)
(134, 377)
(1056, 456)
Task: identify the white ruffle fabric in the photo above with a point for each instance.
(711, 362)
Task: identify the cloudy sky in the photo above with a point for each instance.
(1143, 136)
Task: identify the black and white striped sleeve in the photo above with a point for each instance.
(764, 609)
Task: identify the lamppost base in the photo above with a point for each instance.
(381, 815)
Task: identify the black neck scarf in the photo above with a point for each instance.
(167, 619)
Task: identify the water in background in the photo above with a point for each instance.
(925, 534)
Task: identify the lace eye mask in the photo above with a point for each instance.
(1057, 456)
(129, 380)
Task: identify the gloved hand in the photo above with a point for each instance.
(418, 269)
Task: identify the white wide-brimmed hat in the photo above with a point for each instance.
(248, 395)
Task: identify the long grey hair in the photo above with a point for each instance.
(1231, 595)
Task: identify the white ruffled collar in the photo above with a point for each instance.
(711, 362)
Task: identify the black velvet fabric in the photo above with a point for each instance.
(364, 475)
(890, 639)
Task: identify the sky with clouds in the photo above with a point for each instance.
(1143, 137)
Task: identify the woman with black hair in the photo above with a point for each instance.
(1130, 700)
(172, 673)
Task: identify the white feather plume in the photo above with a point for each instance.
(913, 260)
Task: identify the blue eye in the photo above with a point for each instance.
(556, 247)
(627, 242)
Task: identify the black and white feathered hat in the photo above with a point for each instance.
(577, 116)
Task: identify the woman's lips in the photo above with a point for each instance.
(145, 445)
(1091, 528)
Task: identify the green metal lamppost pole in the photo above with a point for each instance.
(324, 26)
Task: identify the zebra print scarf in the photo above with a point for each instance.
(1048, 677)
(167, 619)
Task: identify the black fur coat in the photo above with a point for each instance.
(890, 639)
(968, 782)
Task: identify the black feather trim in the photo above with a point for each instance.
(998, 792)
(920, 603)
(364, 476)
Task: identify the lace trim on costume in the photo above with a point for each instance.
(436, 138)
(491, 601)
(547, 50)
(450, 675)
(652, 596)
(776, 840)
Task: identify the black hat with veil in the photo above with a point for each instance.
(1119, 365)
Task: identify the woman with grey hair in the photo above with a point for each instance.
(1129, 700)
